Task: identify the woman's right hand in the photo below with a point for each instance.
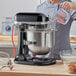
(67, 5)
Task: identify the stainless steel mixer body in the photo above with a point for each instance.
(36, 34)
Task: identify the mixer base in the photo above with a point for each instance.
(35, 61)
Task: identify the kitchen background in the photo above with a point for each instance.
(9, 8)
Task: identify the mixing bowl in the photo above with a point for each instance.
(69, 60)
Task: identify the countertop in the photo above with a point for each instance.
(57, 69)
(6, 41)
(4, 38)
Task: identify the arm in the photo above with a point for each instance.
(73, 6)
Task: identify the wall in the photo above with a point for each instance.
(73, 27)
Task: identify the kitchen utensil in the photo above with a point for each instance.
(62, 16)
(36, 35)
(5, 60)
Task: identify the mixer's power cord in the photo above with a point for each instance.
(13, 41)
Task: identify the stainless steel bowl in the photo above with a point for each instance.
(41, 42)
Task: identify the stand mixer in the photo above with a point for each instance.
(35, 35)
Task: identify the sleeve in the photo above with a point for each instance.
(73, 15)
(40, 7)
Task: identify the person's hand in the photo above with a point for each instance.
(66, 5)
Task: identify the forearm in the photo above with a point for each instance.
(73, 6)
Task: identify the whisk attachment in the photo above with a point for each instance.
(5, 60)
